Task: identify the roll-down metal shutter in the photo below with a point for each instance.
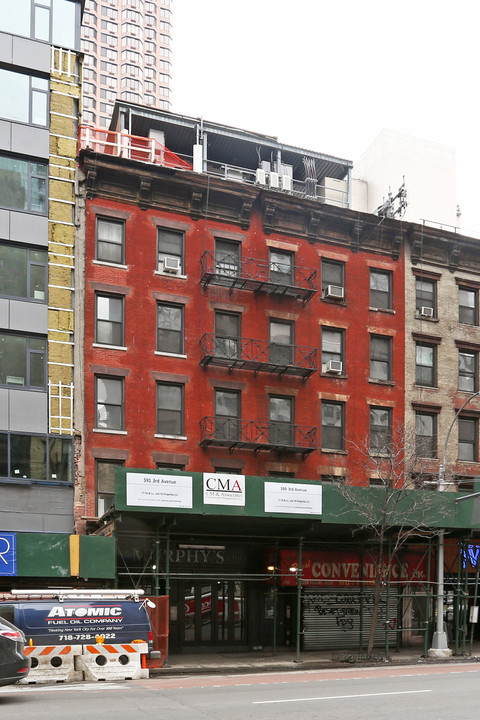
(338, 618)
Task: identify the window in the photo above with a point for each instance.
(467, 371)
(333, 479)
(110, 241)
(333, 279)
(53, 21)
(106, 108)
(109, 12)
(130, 42)
(24, 98)
(109, 95)
(467, 306)
(278, 474)
(426, 435)
(380, 357)
(23, 184)
(170, 249)
(170, 409)
(227, 334)
(23, 272)
(109, 81)
(109, 67)
(109, 320)
(227, 258)
(36, 457)
(23, 361)
(332, 351)
(170, 332)
(426, 297)
(109, 403)
(131, 83)
(169, 466)
(105, 480)
(281, 267)
(380, 429)
(130, 55)
(281, 342)
(467, 439)
(332, 425)
(281, 414)
(227, 415)
(380, 290)
(110, 27)
(425, 365)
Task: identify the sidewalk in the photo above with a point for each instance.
(264, 661)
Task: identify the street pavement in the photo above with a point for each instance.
(264, 660)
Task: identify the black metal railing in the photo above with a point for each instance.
(258, 276)
(248, 434)
(257, 355)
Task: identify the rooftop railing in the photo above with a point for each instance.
(131, 147)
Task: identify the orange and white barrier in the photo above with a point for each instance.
(52, 663)
(112, 662)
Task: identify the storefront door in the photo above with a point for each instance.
(213, 613)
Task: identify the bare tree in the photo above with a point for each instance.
(399, 508)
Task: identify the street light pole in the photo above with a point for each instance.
(439, 642)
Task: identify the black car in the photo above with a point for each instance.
(13, 663)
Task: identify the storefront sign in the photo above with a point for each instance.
(160, 491)
(289, 498)
(223, 489)
(344, 568)
(8, 554)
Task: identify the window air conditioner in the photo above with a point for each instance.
(261, 177)
(334, 366)
(335, 292)
(426, 312)
(171, 264)
(274, 180)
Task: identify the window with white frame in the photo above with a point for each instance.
(110, 240)
(109, 400)
(109, 320)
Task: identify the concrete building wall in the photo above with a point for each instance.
(428, 169)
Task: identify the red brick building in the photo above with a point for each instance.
(238, 319)
(270, 346)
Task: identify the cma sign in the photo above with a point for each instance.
(8, 554)
(223, 489)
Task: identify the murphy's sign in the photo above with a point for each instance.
(223, 489)
(348, 568)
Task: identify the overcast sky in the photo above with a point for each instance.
(329, 76)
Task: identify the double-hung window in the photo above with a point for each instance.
(468, 439)
(332, 351)
(227, 415)
(425, 364)
(170, 409)
(170, 331)
(170, 251)
(105, 481)
(23, 360)
(227, 334)
(109, 320)
(110, 402)
(425, 435)
(468, 370)
(333, 282)
(281, 342)
(227, 258)
(36, 457)
(333, 414)
(23, 272)
(380, 357)
(23, 184)
(281, 416)
(282, 267)
(426, 297)
(380, 429)
(467, 306)
(110, 241)
(381, 289)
